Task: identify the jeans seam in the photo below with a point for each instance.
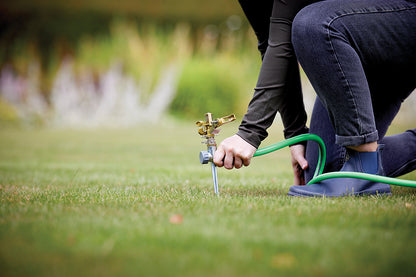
(343, 73)
(335, 54)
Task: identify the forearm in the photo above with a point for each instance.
(278, 88)
(284, 97)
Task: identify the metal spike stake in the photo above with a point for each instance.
(214, 171)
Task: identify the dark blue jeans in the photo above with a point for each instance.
(360, 56)
(399, 153)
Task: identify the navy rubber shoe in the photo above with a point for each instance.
(366, 162)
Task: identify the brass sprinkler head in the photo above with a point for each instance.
(207, 127)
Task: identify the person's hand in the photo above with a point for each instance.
(299, 163)
(234, 152)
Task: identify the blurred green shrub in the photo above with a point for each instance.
(211, 85)
(143, 51)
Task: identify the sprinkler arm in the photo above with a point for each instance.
(207, 127)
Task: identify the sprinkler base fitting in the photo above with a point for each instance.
(205, 157)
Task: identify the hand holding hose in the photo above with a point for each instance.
(234, 152)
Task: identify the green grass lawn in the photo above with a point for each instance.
(100, 202)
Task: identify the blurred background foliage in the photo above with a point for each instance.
(209, 45)
(103, 62)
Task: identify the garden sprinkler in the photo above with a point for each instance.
(207, 129)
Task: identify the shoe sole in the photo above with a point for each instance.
(361, 193)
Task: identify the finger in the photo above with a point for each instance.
(301, 176)
(302, 162)
(298, 176)
(246, 161)
(299, 181)
(296, 181)
(229, 160)
(302, 181)
(299, 157)
(238, 163)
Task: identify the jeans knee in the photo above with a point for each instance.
(308, 32)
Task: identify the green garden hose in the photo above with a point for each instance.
(318, 176)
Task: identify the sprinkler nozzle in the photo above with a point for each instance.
(205, 157)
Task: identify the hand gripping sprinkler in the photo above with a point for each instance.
(207, 129)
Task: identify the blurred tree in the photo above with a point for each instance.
(182, 10)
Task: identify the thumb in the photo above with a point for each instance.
(298, 155)
(302, 162)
